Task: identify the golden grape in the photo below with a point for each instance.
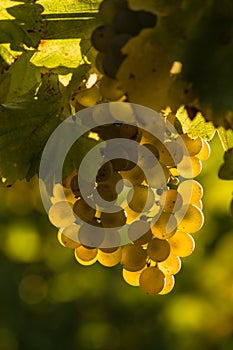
(133, 257)
(182, 244)
(158, 249)
(152, 280)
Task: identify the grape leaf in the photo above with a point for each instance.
(226, 137)
(226, 169)
(197, 126)
(25, 126)
(21, 77)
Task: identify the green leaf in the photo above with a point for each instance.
(226, 170)
(25, 126)
(21, 77)
(226, 137)
(196, 127)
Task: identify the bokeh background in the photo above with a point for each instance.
(49, 302)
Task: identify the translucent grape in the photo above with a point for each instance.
(111, 242)
(191, 191)
(148, 161)
(189, 167)
(105, 172)
(171, 201)
(104, 196)
(152, 280)
(158, 176)
(88, 97)
(86, 256)
(87, 187)
(163, 225)
(132, 277)
(115, 219)
(83, 210)
(189, 218)
(182, 244)
(140, 198)
(135, 176)
(204, 152)
(133, 257)
(61, 214)
(91, 235)
(109, 259)
(68, 237)
(158, 249)
(101, 37)
(171, 265)
(169, 285)
(139, 232)
(194, 146)
(110, 89)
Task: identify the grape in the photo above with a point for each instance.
(145, 161)
(135, 176)
(132, 277)
(105, 172)
(88, 97)
(130, 214)
(158, 176)
(68, 237)
(199, 204)
(86, 256)
(163, 225)
(191, 191)
(182, 244)
(61, 215)
(109, 259)
(139, 232)
(108, 9)
(190, 218)
(140, 198)
(111, 63)
(83, 210)
(110, 89)
(171, 201)
(91, 235)
(126, 21)
(133, 257)
(129, 131)
(171, 265)
(106, 193)
(107, 132)
(122, 112)
(114, 219)
(87, 187)
(114, 56)
(101, 37)
(204, 152)
(194, 146)
(189, 167)
(151, 280)
(158, 249)
(111, 242)
(169, 285)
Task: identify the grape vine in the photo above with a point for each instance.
(55, 63)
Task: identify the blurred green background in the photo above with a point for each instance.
(49, 302)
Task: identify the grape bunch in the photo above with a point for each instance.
(120, 24)
(140, 207)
